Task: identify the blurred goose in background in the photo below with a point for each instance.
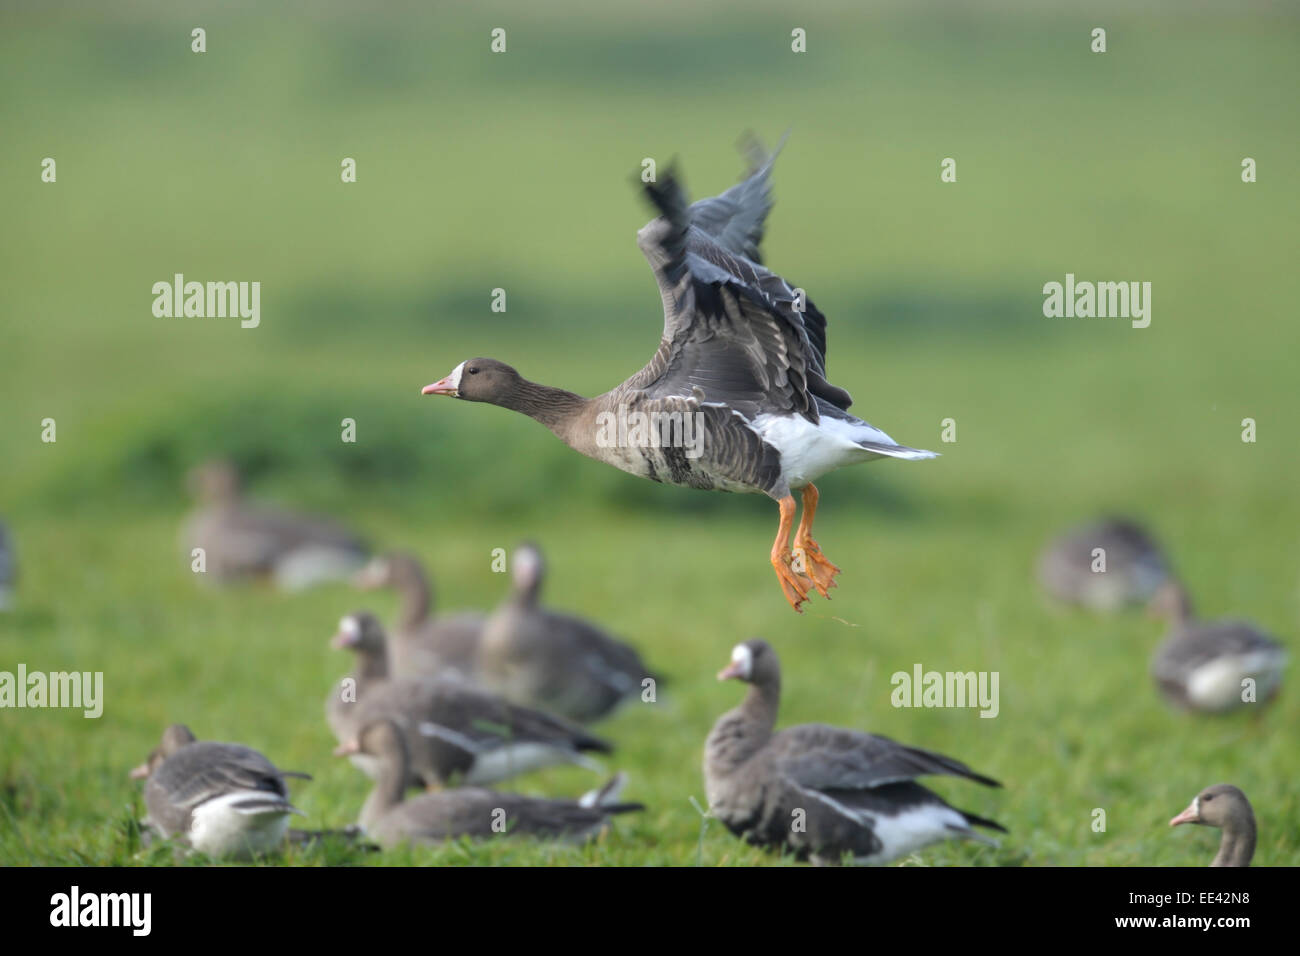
(455, 732)
(474, 812)
(244, 541)
(556, 662)
(420, 645)
(8, 568)
(821, 792)
(1135, 567)
(736, 397)
(1202, 665)
(225, 800)
(1225, 807)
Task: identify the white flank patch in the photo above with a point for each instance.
(809, 451)
(508, 760)
(913, 830)
(219, 828)
(1216, 684)
(304, 567)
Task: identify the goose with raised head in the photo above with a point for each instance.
(819, 792)
(419, 644)
(225, 800)
(391, 820)
(244, 541)
(557, 662)
(1226, 807)
(736, 397)
(455, 731)
(1212, 666)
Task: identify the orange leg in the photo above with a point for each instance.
(796, 592)
(808, 558)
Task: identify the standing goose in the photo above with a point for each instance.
(225, 800)
(736, 397)
(1071, 568)
(421, 645)
(454, 730)
(820, 792)
(1225, 807)
(241, 541)
(470, 811)
(559, 663)
(1205, 665)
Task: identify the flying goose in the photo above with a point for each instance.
(242, 541)
(8, 568)
(556, 662)
(821, 792)
(421, 645)
(1225, 807)
(1103, 566)
(470, 811)
(454, 730)
(225, 800)
(1205, 665)
(736, 397)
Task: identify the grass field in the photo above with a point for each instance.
(516, 171)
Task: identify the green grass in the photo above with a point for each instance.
(478, 172)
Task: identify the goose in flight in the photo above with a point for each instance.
(736, 397)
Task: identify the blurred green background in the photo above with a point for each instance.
(479, 171)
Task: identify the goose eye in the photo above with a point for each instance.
(1209, 797)
(472, 370)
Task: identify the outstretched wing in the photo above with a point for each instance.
(734, 332)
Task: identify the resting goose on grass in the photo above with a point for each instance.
(391, 820)
(1204, 665)
(242, 541)
(736, 397)
(421, 645)
(455, 732)
(1225, 807)
(557, 662)
(225, 800)
(1070, 568)
(822, 792)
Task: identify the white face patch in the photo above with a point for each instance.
(454, 378)
(527, 567)
(350, 626)
(744, 657)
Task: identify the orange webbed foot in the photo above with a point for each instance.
(809, 560)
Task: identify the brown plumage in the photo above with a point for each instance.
(1226, 807)
(455, 732)
(419, 644)
(391, 820)
(822, 792)
(736, 397)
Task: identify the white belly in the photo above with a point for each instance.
(913, 830)
(220, 829)
(1216, 685)
(809, 451)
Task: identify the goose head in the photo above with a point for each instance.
(478, 380)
